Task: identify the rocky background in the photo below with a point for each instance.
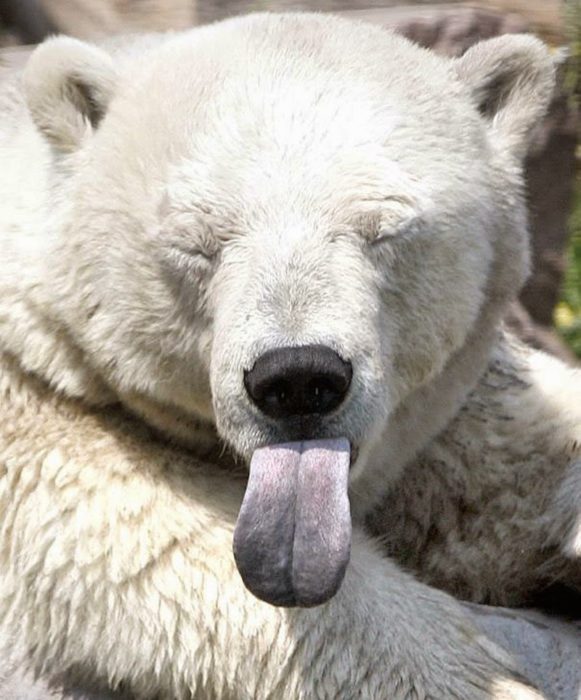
(449, 28)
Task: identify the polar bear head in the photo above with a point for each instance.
(288, 229)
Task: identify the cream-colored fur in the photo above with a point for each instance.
(174, 206)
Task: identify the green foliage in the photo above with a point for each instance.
(573, 70)
(568, 312)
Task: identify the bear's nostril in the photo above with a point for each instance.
(310, 379)
(274, 394)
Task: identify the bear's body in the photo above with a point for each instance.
(488, 511)
(171, 215)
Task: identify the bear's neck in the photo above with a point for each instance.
(175, 425)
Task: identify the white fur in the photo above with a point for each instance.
(204, 197)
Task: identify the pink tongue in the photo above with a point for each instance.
(293, 536)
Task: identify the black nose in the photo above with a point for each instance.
(298, 381)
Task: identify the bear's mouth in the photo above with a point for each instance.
(293, 536)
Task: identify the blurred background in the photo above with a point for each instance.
(548, 314)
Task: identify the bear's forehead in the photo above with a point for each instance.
(236, 114)
(268, 79)
(271, 123)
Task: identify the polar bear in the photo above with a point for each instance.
(250, 300)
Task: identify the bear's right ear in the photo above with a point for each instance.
(68, 86)
(511, 79)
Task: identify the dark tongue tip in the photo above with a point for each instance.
(293, 536)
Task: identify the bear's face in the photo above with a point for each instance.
(285, 226)
(283, 193)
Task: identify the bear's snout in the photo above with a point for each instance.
(298, 381)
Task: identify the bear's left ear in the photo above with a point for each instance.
(511, 78)
(68, 86)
